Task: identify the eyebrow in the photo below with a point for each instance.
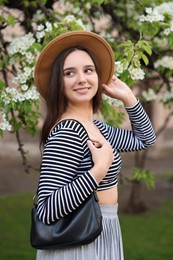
(87, 66)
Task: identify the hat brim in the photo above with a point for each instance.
(90, 40)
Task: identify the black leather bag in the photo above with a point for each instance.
(80, 227)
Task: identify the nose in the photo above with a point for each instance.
(81, 78)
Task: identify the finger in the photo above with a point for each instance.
(105, 88)
(114, 78)
(95, 144)
(90, 144)
(99, 142)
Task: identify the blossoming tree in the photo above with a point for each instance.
(140, 33)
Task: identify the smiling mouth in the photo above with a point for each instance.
(82, 90)
(78, 89)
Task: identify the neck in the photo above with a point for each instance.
(82, 114)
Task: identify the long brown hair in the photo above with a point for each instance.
(56, 100)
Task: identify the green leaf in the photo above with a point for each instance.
(11, 19)
(1, 133)
(128, 44)
(26, 3)
(43, 2)
(145, 59)
(2, 85)
(112, 115)
(129, 54)
(147, 49)
(2, 2)
(144, 175)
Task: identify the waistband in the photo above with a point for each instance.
(109, 210)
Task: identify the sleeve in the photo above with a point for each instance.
(140, 137)
(60, 191)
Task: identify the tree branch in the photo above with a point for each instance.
(46, 11)
(141, 4)
(23, 153)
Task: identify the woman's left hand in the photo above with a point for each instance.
(119, 90)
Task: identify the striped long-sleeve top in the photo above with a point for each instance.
(65, 179)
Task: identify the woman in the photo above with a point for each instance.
(82, 154)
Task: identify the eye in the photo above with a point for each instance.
(89, 70)
(69, 73)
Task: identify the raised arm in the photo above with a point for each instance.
(142, 135)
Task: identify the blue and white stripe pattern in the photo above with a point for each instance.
(65, 180)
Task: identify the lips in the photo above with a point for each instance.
(82, 90)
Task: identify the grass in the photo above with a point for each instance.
(146, 237)
(149, 236)
(15, 227)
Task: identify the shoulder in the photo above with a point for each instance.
(68, 129)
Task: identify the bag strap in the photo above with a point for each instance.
(35, 199)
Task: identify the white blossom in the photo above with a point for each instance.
(6, 100)
(118, 68)
(19, 97)
(24, 87)
(69, 18)
(21, 44)
(136, 73)
(167, 96)
(13, 94)
(162, 43)
(55, 25)
(40, 27)
(48, 27)
(157, 13)
(166, 62)
(113, 102)
(5, 125)
(76, 10)
(88, 5)
(148, 10)
(165, 8)
(167, 31)
(11, 91)
(5, 97)
(23, 76)
(79, 21)
(32, 94)
(151, 17)
(30, 57)
(149, 95)
(39, 35)
(39, 16)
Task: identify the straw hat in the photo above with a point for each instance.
(89, 40)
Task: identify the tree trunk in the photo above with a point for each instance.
(136, 202)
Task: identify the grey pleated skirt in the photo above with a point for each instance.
(108, 246)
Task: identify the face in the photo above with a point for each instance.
(80, 78)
